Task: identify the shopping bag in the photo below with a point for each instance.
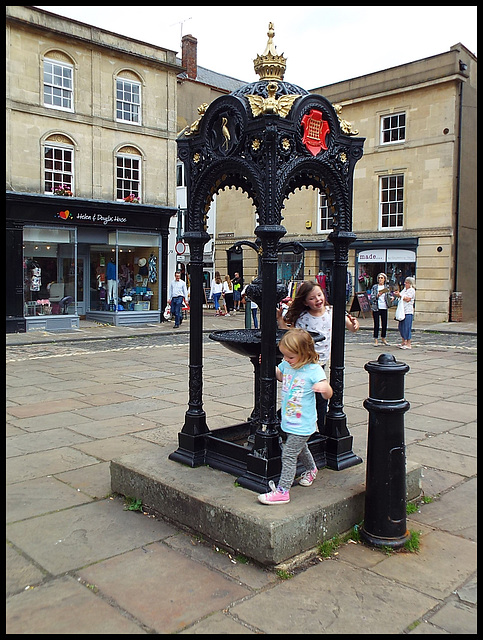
(167, 312)
(400, 313)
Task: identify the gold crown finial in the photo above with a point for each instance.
(270, 66)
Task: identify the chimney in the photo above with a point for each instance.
(189, 55)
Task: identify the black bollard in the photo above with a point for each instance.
(385, 499)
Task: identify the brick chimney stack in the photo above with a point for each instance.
(189, 55)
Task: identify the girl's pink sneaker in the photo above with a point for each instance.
(275, 496)
(308, 477)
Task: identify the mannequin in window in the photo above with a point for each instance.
(111, 280)
(35, 282)
(143, 267)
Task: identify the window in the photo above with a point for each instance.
(58, 86)
(391, 201)
(128, 101)
(58, 169)
(128, 177)
(48, 255)
(290, 266)
(325, 216)
(393, 128)
(180, 181)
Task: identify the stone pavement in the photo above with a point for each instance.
(78, 561)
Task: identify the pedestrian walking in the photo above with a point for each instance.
(381, 299)
(228, 295)
(178, 293)
(408, 295)
(215, 293)
(302, 378)
(237, 289)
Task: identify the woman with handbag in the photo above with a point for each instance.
(381, 300)
(407, 295)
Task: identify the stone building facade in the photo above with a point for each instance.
(90, 172)
(414, 209)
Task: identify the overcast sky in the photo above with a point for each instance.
(322, 44)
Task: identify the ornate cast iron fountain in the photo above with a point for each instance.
(269, 138)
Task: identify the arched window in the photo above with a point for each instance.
(128, 98)
(58, 78)
(58, 165)
(128, 174)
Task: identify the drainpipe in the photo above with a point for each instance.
(458, 183)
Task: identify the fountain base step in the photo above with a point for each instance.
(210, 503)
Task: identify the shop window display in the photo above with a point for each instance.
(396, 272)
(49, 277)
(126, 279)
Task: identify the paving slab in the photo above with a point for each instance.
(443, 460)
(40, 495)
(333, 597)
(42, 441)
(455, 511)
(457, 618)
(443, 563)
(21, 572)
(217, 624)
(155, 594)
(45, 408)
(73, 538)
(36, 465)
(65, 606)
(93, 481)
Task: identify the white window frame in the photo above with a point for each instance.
(134, 184)
(391, 202)
(127, 105)
(60, 83)
(324, 217)
(62, 170)
(391, 124)
(180, 177)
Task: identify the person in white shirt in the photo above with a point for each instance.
(215, 293)
(228, 295)
(381, 300)
(408, 295)
(178, 293)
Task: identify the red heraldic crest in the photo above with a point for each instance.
(315, 131)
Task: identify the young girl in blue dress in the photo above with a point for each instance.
(302, 378)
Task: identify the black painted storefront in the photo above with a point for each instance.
(87, 216)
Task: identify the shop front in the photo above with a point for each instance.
(394, 257)
(72, 258)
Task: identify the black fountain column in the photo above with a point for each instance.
(264, 461)
(338, 445)
(191, 439)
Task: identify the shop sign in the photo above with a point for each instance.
(95, 218)
(373, 255)
(401, 255)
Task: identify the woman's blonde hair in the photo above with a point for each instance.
(300, 342)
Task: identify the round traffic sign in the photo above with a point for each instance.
(180, 247)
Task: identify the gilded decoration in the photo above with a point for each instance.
(193, 128)
(346, 127)
(278, 106)
(270, 66)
